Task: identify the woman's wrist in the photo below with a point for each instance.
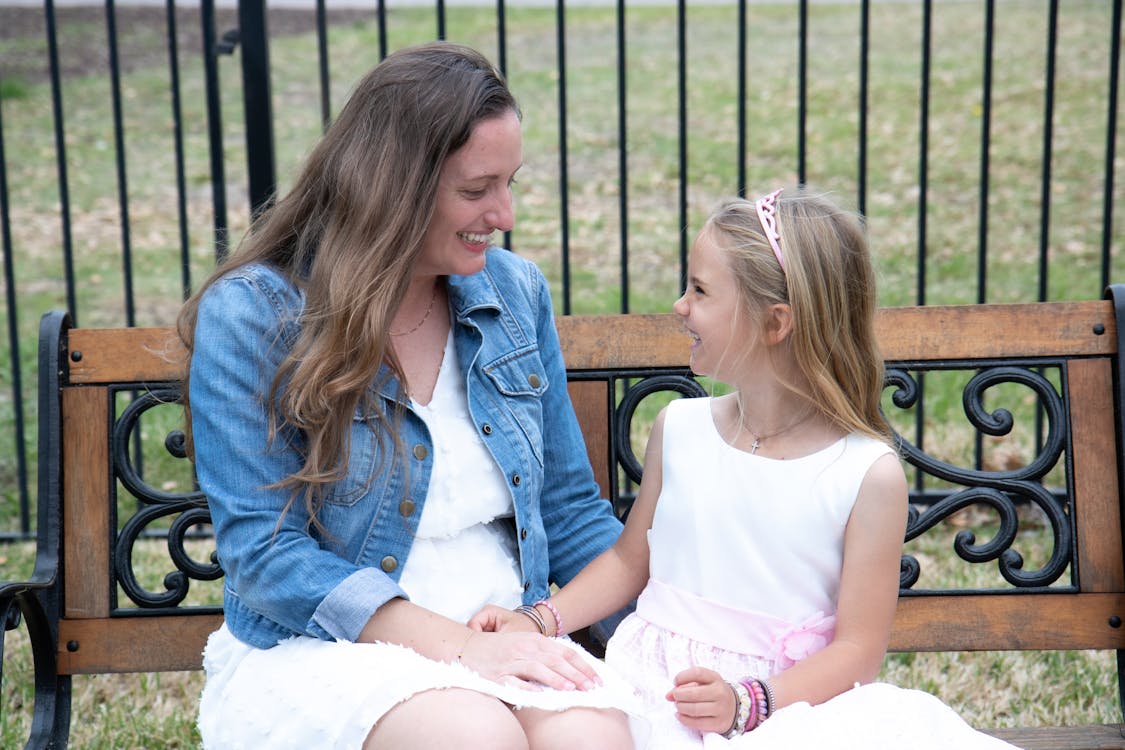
(464, 646)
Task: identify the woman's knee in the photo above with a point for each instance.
(448, 718)
(588, 728)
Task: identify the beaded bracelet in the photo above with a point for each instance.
(744, 708)
(758, 691)
(532, 613)
(554, 613)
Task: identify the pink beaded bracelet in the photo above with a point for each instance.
(758, 691)
(554, 613)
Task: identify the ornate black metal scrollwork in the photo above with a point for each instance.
(680, 383)
(187, 509)
(1000, 490)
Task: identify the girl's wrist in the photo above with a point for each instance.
(742, 710)
(551, 613)
(753, 704)
(532, 613)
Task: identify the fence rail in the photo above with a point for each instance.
(978, 137)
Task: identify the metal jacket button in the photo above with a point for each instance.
(486, 428)
(533, 380)
(388, 564)
(516, 480)
(523, 533)
(406, 507)
(420, 452)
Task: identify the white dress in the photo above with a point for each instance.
(308, 693)
(745, 560)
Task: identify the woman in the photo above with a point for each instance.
(371, 390)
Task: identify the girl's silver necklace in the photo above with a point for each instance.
(792, 425)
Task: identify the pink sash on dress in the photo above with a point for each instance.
(754, 633)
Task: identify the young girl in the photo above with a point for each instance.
(767, 530)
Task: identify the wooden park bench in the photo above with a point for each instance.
(1056, 367)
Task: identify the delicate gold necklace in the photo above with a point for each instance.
(425, 317)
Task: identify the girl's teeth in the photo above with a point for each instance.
(474, 238)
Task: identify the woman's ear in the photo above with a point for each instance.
(779, 323)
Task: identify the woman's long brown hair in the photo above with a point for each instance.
(349, 233)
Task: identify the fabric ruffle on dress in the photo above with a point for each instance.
(308, 693)
(876, 716)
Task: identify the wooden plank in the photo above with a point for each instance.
(594, 342)
(1024, 330)
(1097, 505)
(904, 333)
(86, 516)
(134, 644)
(1107, 737)
(999, 622)
(591, 405)
(605, 341)
(115, 355)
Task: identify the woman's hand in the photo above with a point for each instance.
(493, 619)
(528, 660)
(704, 701)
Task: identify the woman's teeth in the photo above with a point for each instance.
(474, 238)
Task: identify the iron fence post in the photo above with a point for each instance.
(256, 102)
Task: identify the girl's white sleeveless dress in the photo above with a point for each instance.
(745, 561)
(307, 693)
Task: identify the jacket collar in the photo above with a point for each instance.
(468, 294)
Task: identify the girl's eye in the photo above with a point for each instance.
(474, 194)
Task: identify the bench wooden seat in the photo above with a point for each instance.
(85, 612)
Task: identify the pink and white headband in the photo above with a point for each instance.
(767, 215)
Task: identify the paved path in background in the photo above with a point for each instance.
(361, 4)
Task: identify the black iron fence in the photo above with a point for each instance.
(978, 137)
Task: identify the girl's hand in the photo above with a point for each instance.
(493, 619)
(528, 660)
(704, 701)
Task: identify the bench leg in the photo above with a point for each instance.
(50, 723)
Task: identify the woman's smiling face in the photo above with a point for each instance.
(474, 198)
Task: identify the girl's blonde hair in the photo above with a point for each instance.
(349, 233)
(829, 285)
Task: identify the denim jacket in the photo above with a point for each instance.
(285, 579)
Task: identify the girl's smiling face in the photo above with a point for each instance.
(474, 198)
(712, 312)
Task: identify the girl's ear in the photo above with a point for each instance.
(779, 323)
